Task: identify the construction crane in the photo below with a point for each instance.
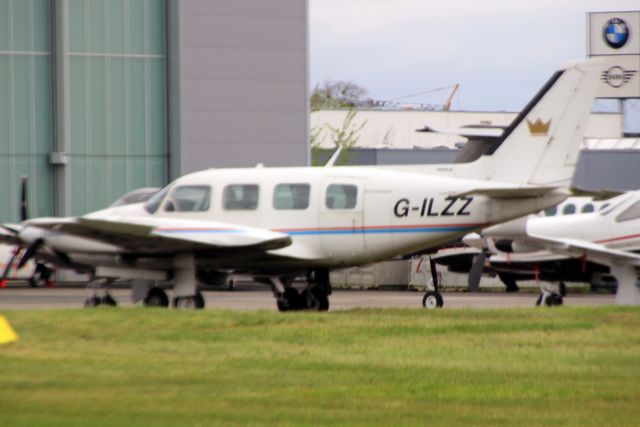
(447, 105)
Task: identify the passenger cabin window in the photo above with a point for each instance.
(341, 196)
(588, 208)
(632, 212)
(569, 209)
(240, 197)
(291, 196)
(189, 198)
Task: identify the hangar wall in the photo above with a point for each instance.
(240, 73)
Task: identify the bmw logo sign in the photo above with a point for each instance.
(615, 33)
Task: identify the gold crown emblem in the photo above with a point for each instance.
(538, 128)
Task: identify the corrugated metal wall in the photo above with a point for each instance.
(87, 80)
(117, 138)
(25, 105)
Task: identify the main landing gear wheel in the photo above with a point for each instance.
(550, 299)
(107, 299)
(92, 301)
(315, 298)
(156, 297)
(95, 301)
(195, 302)
(290, 300)
(432, 300)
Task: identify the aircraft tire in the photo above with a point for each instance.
(195, 302)
(92, 301)
(554, 299)
(107, 299)
(156, 297)
(290, 300)
(315, 298)
(320, 299)
(432, 300)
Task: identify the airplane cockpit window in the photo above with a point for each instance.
(632, 212)
(588, 208)
(189, 198)
(569, 209)
(240, 197)
(154, 203)
(551, 211)
(341, 196)
(291, 196)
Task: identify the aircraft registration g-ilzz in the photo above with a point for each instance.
(276, 224)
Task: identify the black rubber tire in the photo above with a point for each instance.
(92, 301)
(195, 302)
(107, 299)
(432, 300)
(553, 299)
(319, 299)
(290, 300)
(156, 297)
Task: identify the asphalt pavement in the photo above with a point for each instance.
(258, 297)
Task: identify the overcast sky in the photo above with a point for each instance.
(501, 52)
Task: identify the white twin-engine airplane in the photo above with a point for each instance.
(608, 237)
(276, 224)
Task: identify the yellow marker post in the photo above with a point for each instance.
(7, 334)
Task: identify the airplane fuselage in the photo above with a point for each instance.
(335, 217)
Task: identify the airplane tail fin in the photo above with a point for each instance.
(541, 145)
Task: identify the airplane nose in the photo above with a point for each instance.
(474, 240)
(512, 229)
(30, 234)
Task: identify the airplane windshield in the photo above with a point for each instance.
(154, 203)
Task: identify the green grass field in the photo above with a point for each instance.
(566, 366)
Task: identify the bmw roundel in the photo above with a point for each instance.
(615, 33)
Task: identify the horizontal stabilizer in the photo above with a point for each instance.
(514, 192)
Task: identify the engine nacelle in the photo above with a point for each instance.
(511, 246)
(212, 277)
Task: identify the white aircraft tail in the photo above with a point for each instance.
(541, 145)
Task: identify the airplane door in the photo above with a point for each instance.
(377, 219)
(340, 220)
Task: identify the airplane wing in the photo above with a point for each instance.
(164, 235)
(594, 251)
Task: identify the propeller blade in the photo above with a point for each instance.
(434, 274)
(475, 274)
(30, 252)
(23, 198)
(7, 268)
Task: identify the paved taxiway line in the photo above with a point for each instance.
(14, 298)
